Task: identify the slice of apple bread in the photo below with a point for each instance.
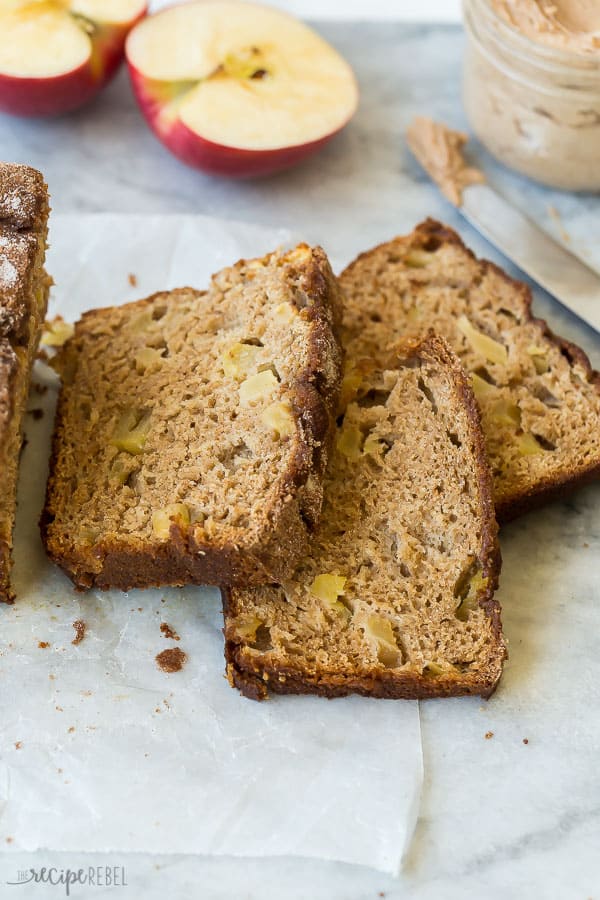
(539, 398)
(24, 287)
(395, 595)
(192, 429)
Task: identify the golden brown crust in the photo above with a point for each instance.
(255, 678)
(185, 558)
(433, 234)
(400, 687)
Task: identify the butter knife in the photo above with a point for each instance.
(561, 273)
(439, 149)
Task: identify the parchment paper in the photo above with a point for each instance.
(100, 750)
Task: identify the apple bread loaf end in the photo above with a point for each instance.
(24, 287)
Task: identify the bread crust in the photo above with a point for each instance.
(256, 679)
(186, 558)
(23, 222)
(550, 488)
(23, 197)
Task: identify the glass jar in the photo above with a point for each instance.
(535, 107)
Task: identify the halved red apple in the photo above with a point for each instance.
(236, 88)
(55, 55)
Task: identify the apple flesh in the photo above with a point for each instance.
(55, 55)
(238, 89)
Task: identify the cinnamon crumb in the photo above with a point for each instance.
(43, 645)
(488, 735)
(171, 660)
(40, 389)
(9, 840)
(36, 413)
(132, 279)
(79, 627)
(525, 740)
(169, 632)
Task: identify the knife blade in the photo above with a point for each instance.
(561, 273)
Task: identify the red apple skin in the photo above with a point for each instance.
(64, 93)
(200, 153)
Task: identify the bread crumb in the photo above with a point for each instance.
(43, 645)
(169, 632)
(71, 729)
(172, 660)
(562, 231)
(40, 389)
(36, 414)
(9, 840)
(18, 745)
(79, 627)
(132, 279)
(488, 735)
(525, 740)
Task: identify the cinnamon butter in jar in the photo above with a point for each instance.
(532, 86)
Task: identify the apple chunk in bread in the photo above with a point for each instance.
(55, 55)
(238, 89)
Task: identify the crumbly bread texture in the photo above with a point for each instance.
(24, 287)
(193, 427)
(539, 398)
(395, 596)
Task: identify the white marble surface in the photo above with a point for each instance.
(499, 818)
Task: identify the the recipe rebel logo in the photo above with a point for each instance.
(67, 879)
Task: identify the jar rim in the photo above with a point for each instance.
(523, 46)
